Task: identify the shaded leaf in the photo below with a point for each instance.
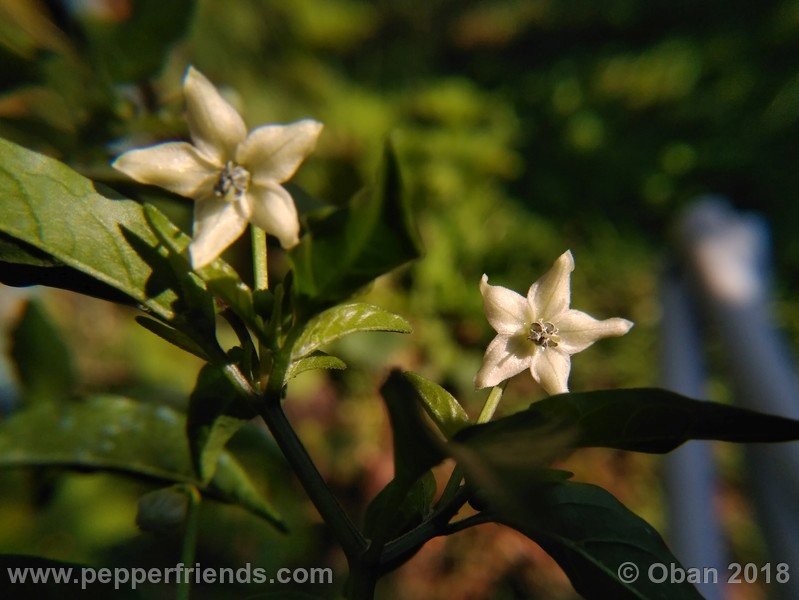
(644, 420)
(54, 209)
(342, 320)
(344, 250)
(417, 445)
(173, 336)
(403, 508)
(439, 404)
(318, 360)
(43, 360)
(112, 433)
(216, 413)
(592, 535)
(23, 265)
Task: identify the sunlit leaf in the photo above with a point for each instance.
(118, 434)
(318, 360)
(54, 209)
(220, 277)
(440, 405)
(345, 319)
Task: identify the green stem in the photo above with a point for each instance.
(331, 511)
(490, 407)
(260, 274)
(189, 549)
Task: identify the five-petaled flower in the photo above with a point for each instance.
(539, 332)
(234, 177)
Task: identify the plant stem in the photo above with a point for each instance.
(331, 511)
(260, 273)
(490, 407)
(189, 549)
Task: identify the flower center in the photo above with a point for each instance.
(544, 334)
(233, 182)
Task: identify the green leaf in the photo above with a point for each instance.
(219, 276)
(317, 360)
(118, 434)
(47, 205)
(439, 404)
(43, 361)
(417, 445)
(173, 336)
(342, 320)
(22, 265)
(344, 250)
(405, 508)
(643, 420)
(216, 413)
(592, 536)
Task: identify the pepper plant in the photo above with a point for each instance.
(61, 229)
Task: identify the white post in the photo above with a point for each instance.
(694, 534)
(727, 254)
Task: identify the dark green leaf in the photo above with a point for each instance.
(216, 413)
(23, 265)
(173, 336)
(592, 535)
(43, 361)
(318, 360)
(342, 320)
(404, 508)
(118, 434)
(643, 420)
(439, 404)
(346, 249)
(47, 205)
(417, 445)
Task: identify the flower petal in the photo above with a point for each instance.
(215, 126)
(217, 224)
(274, 152)
(550, 368)
(273, 211)
(579, 330)
(505, 357)
(551, 294)
(506, 310)
(175, 166)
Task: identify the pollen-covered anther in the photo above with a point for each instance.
(233, 181)
(544, 334)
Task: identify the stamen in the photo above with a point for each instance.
(233, 178)
(544, 334)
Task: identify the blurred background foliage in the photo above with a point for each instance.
(524, 128)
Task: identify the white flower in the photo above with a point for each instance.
(234, 177)
(539, 332)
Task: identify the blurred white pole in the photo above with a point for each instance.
(694, 534)
(727, 254)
